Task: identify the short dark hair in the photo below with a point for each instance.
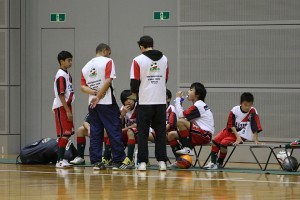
(146, 41)
(124, 95)
(247, 96)
(199, 90)
(63, 55)
(102, 47)
(169, 94)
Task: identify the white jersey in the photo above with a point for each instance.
(199, 113)
(63, 85)
(130, 116)
(94, 74)
(152, 76)
(245, 122)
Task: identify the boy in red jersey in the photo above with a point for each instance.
(243, 124)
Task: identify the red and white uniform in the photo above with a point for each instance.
(63, 85)
(92, 76)
(245, 123)
(152, 90)
(171, 118)
(130, 116)
(199, 114)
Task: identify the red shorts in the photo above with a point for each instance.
(225, 138)
(199, 136)
(125, 136)
(63, 126)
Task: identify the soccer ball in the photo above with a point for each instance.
(290, 164)
(184, 161)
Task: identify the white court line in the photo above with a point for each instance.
(166, 177)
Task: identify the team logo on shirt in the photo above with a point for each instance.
(154, 67)
(93, 73)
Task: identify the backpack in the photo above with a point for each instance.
(45, 151)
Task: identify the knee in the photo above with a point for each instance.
(130, 134)
(172, 136)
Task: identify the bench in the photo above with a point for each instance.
(270, 146)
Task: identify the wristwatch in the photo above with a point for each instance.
(95, 93)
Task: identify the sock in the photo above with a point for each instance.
(130, 148)
(81, 146)
(185, 139)
(214, 154)
(62, 143)
(221, 158)
(174, 146)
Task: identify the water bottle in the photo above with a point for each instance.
(135, 159)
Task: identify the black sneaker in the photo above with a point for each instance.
(121, 165)
(99, 166)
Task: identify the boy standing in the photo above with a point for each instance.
(196, 124)
(64, 96)
(96, 80)
(243, 124)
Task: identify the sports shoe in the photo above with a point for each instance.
(185, 151)
(99, 166)
(63, 164)
(211, 165)
(174, 165)
(142, 166)
(105, 162)
(282, 155)
(162, 165)
(123, 165)
(78, 161)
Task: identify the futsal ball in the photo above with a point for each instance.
(184, 161)
(290, 164)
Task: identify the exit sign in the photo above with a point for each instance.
(161, 15)
(57, 17)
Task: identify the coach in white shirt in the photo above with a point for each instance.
(149, 74)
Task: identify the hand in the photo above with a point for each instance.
(257, 142)
(94, 102)
(238, 141)
(179, 94)
(125, 110)
(69, 116)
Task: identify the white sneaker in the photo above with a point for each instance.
(211, 165)
(162, 166)
(185, 151)
(63, 164)
(142, 166)
(174, 165)
(282, 155)
(78, 161)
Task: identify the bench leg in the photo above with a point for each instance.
(234, 147)
(197, 154)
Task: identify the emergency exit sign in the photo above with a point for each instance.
(161, 15)
(57, 17)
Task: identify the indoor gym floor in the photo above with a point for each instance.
(43, 182)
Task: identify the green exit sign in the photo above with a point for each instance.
(161, 15)
(57, 17)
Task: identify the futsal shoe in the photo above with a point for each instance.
(174, 165)
(105, 162)
(185, 151)
(162, 166)
(78, 161)
(210, 166)
(99, 166)
(142, 166)
(63, 164)
(123, 165)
